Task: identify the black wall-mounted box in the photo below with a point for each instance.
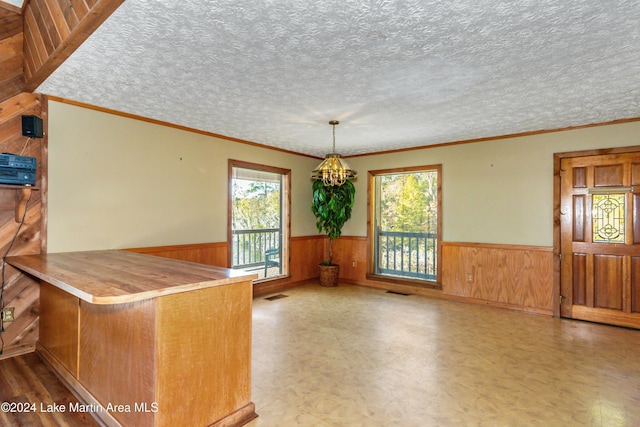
(32, 126)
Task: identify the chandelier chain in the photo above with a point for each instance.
(334, 137)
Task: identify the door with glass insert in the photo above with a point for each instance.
(600, 238)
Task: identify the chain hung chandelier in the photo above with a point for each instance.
(333, 170)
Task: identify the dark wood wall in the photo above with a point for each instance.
(34, 41)
(21, 291)
(11, 57)
(56, 28)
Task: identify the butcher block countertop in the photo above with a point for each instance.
(115, 277)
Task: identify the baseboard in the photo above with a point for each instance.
(102, 417)
(265, 288)
(436, 293)
(238, 418)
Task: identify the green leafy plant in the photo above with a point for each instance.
(332, 207)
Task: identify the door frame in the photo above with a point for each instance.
(557, 158)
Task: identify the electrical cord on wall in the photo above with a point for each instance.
(4, 262)
(25, 146)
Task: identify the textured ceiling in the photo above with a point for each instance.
(18, 3)
(396, 74)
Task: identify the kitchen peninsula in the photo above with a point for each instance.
(149, 341)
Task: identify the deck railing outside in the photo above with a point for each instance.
(407, 254)
(249, 247)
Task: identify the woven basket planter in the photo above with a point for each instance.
(329, 275)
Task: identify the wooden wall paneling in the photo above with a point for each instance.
(202, 253)
(34, 52)
(306, 254)
(351, 254)
(54, 29)
(10, 23)
(21, 291)
(518, 276)
(11, 70)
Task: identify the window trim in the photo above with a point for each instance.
(371, 203)
(286, 213)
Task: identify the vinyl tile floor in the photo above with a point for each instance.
(357, 356)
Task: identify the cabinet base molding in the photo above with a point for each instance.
(103, 418)
(239, 417)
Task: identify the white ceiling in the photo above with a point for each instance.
(18, 3)
(396, 74)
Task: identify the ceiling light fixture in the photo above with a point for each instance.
(333, 170)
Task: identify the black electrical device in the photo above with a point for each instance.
(17, 170)
(32, 126)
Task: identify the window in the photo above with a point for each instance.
(259, 219)
(608, 218)
(406, 224)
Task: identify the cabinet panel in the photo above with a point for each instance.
(205, 331)
(117, 361)
(59, 325)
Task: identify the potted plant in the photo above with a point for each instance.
(331, 206)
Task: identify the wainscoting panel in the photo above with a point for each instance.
(512, 276)
(305, 254)
(350, 252)
(518, 276)
(202, 253)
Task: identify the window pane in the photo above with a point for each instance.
(256, 222)
(608, 218)
(407, 224)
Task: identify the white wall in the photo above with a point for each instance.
(116, 182)
(498, 191)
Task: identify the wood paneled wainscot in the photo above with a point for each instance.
(512, 276)
(144, 340)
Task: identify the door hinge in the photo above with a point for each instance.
(560, 256)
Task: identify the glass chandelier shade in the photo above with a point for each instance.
(333, 170)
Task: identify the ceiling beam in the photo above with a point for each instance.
(54, 29)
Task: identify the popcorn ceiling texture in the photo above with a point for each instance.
(396, 74)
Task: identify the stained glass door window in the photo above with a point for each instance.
(608, 218)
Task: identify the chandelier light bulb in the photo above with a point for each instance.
(333, 170)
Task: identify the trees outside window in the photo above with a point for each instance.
(406, 226)
(259, 219)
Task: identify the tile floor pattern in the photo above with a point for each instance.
(355, 356)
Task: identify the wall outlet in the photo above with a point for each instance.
(353, 263)
(7, 314)
(469, 277)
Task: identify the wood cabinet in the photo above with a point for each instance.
(149, 341)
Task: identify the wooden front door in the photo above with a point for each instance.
(600, 238)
